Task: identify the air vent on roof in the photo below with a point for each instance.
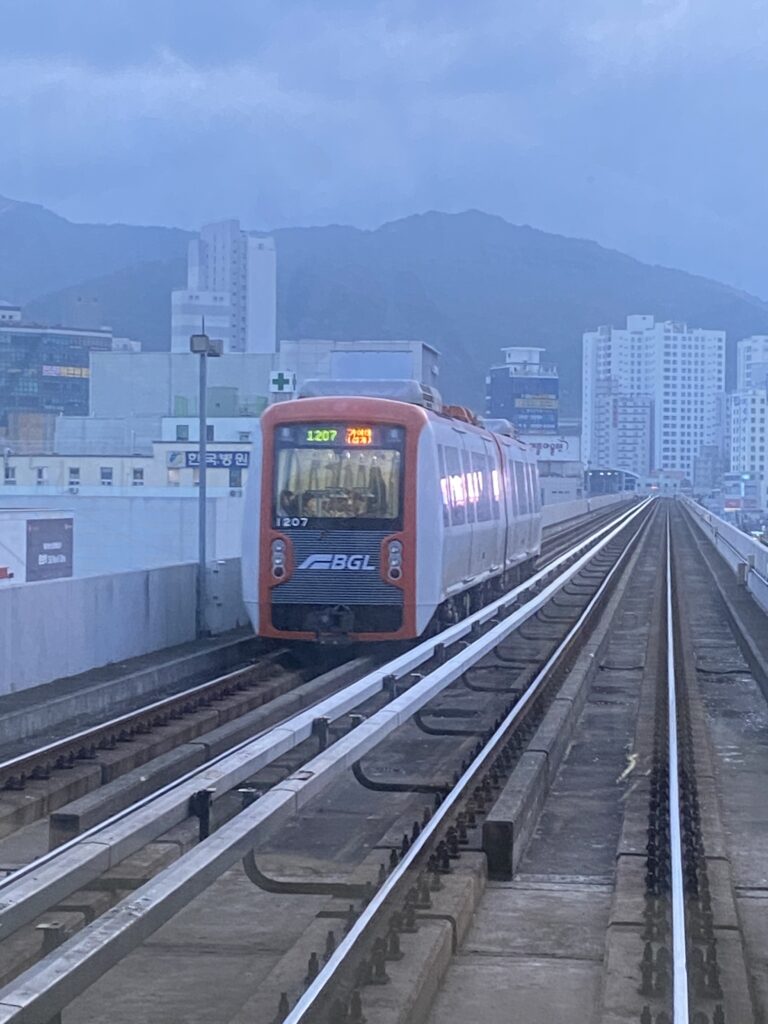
(497, 426)
(410, 391)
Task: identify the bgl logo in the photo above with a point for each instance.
(339, 563)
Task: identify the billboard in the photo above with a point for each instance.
(49, 549)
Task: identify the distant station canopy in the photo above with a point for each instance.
(410, 391)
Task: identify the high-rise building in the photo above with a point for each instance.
(751, 362)
(231, 287)
(524, 391)
(652, 395)
(748, 430)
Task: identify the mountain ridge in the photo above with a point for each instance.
(468, 283)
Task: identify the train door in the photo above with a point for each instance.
(523, 508)
(457, 547)
(470, 504)
(494, 480)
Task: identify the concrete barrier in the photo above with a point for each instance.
(63, 627)
(747, 557)
(562, 511)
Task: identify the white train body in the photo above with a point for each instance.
(371, 518)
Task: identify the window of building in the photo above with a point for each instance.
(74, 476)
(138, 478)
(174, 477)
(106, 474)
(244, 435)
(209, 432)
(9, 476)
(182, 431)
(41, 475)
(235, 476)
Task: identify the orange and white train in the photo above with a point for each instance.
(374, 513)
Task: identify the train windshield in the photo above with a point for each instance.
(348, 476)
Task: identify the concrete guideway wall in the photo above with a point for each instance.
(746, 556)
(562, 511)
(63, 627)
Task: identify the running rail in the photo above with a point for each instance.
(309, 1001)
(43, 990)
(679, 959)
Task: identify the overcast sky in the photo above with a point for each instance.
(639, 123)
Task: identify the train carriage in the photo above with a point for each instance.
(373, 513)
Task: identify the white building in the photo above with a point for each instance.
(232, 286)
(652, 395)
(751, 362)
(9, 314)
(749, 408)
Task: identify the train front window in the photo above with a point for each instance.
(348, 484)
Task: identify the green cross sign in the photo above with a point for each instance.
(282, 382)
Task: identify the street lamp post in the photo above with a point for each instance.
(205, 347)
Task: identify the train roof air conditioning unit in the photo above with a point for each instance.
(411, 391)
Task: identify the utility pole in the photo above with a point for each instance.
(205, 347)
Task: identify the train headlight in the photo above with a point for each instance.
(394, 560)
(278, 558)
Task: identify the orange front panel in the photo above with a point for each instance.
(350, 411)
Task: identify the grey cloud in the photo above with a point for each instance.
(635, 123)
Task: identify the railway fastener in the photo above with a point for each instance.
(355, 1009)
(394, 952)
(283, 1009)
(313, 968)
(200, 807)
(379, 974)
(409, 920)
(364, 973)
(423, 899)
(320, 728)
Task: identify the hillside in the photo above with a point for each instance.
(41, 252)
(467, 283)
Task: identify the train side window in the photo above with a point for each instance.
(482, 479)
(455, 486)
(514, 499)
(522, 489)
(494, 483)
(470, 489)
(445, 493)
(535, 495)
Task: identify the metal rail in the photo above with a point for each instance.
(15, 770)
(311, 1000)
(679, 954)
(43, 990)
